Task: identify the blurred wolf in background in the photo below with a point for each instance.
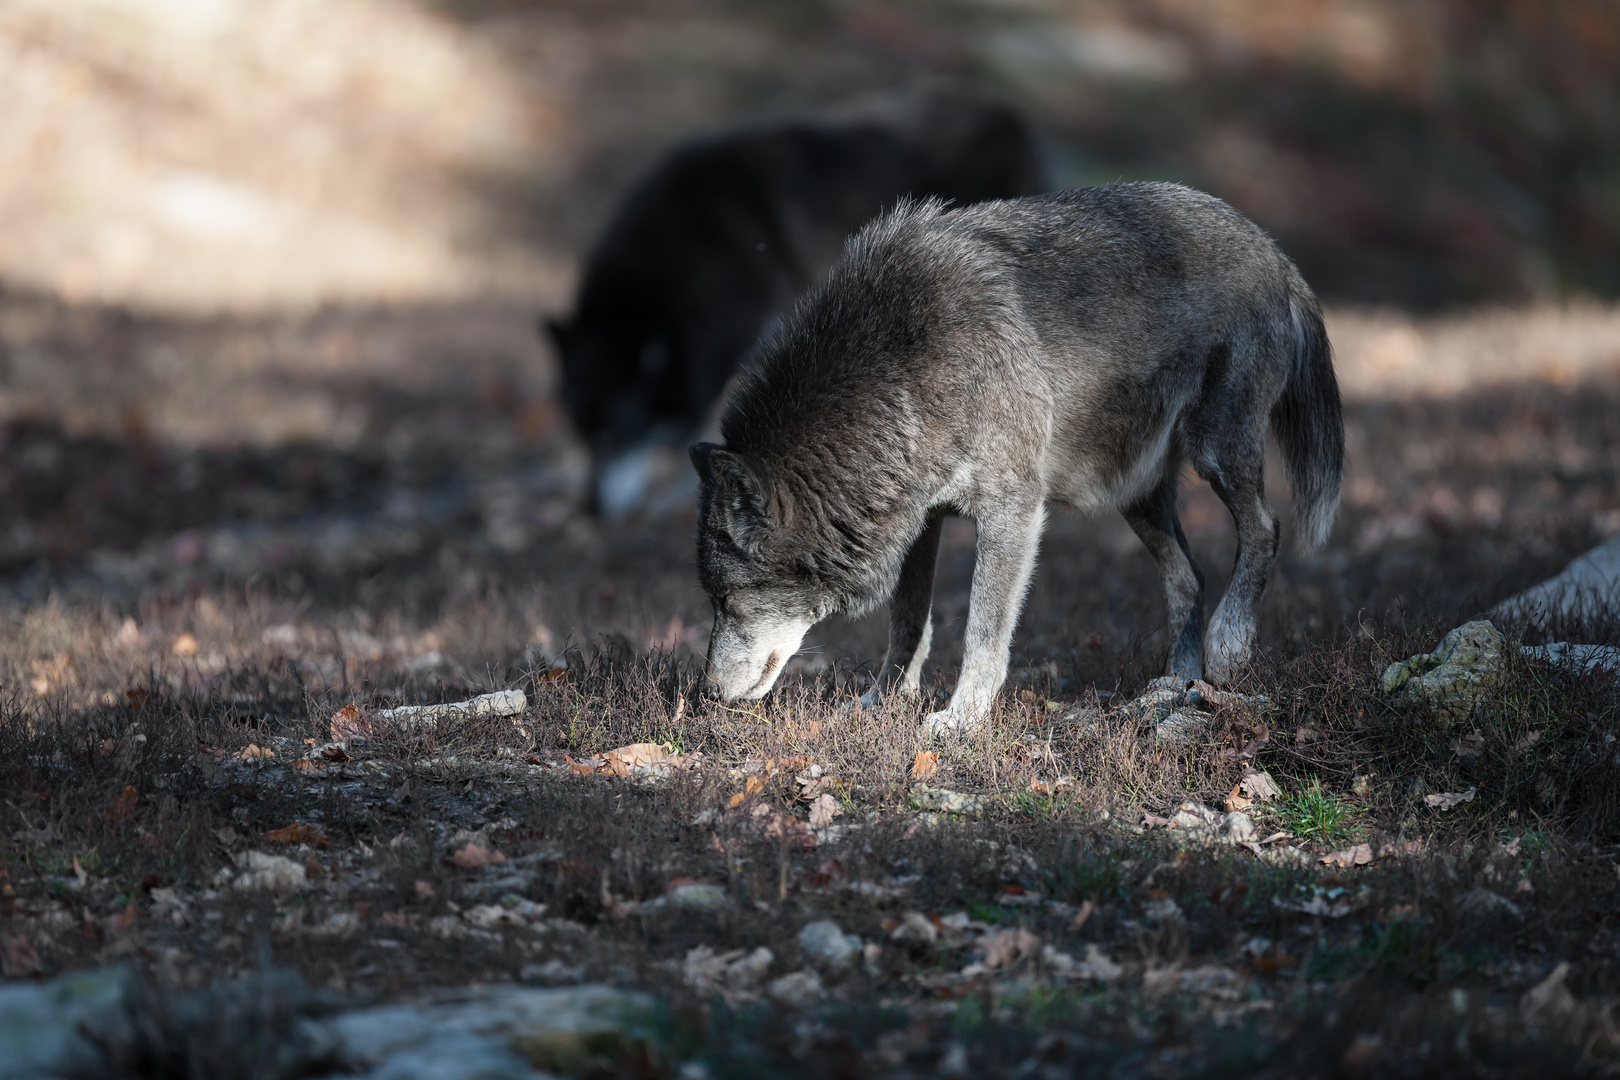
(724, 233)
(1073, 348)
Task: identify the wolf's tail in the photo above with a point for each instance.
(1309, 424)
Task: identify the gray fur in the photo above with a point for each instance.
(1072, 348)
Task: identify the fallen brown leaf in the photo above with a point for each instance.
(625, 759)
(123, 807)
(1411, 847)
(1259, 786)
(1360, 855)
(555, 675)
(1445, 800)
(822, 811)
(751, 787)
(1235, 799)
(925, 766)
(298, 833)
(473, 856)
(1007, 947)
(335, 753)
(18, 960)
(348, 725)
(306, 765)
(254, 751)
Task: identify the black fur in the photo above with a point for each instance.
(726, 231)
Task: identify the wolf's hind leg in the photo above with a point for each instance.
(911, 624)
(1009, 536)
(1153, 519)
(1231, 631)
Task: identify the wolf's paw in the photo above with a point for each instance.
(945, 723)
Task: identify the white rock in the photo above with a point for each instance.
(1236, 828)
(1582, 658)
(41, 1024)
(269, 873)
(500, 703)
(915, 929)
(1586, 591)
(561, 1030)
(751, 969)
(827, 946)
(799, 990)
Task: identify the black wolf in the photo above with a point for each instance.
(726, 231)
(1073, 348)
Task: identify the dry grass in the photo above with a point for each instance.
(1423, 975)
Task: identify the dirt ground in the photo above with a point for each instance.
(279, 450)
(185, 623)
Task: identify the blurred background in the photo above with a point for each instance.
(269, 272)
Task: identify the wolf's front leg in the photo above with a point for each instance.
(1009, 535)
(911, 627)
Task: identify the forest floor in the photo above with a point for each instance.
(198, 783)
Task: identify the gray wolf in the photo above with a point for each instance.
(1073, 348)
(725, 232)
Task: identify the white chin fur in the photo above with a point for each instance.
(745, 663)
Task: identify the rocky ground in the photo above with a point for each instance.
(280, 455)
(212, 815)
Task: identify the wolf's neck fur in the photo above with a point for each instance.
(843, 497)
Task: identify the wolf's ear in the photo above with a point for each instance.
(734, 493)
(699, 453)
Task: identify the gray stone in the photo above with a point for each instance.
(827, 946)
(943, 801)
(42, 1024)
(1448, 682)
(1585, 659)
(562, 1030)
(1586, 592)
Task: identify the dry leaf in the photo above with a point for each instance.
(306, 765)
(1360, 855)
(348, 725)
(1083, 914)
(1527, 742)
(822, 810)
(123, 807)
(1445, 800)
(335, 753)
(555, 675)
(473, 856)
(1259, 787)
(1006, 948)
(926, 765)
(18, 960)
(751, 787)
(184, 646)
(626, 759)
(298, 833)
(1235, 799)
(253, 752)
(1411, 847)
